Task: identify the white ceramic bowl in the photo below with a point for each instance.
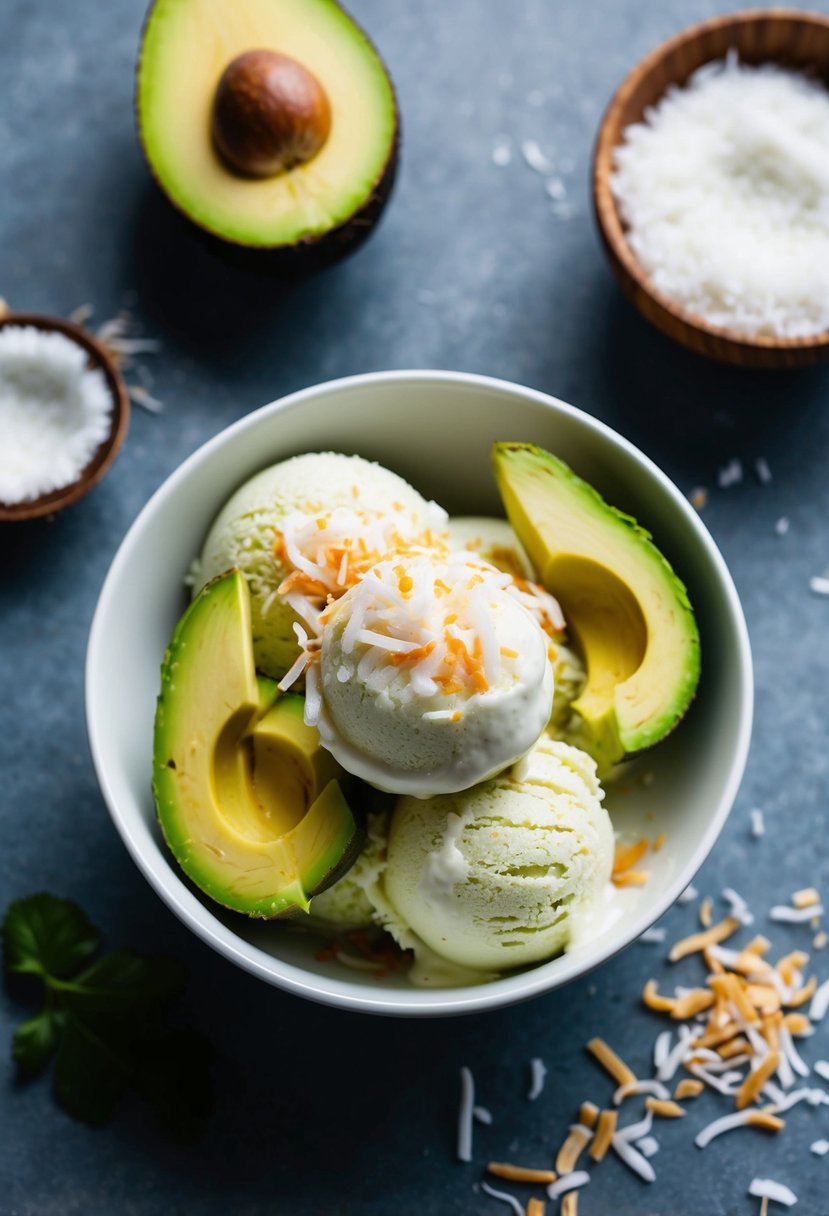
(436, 429)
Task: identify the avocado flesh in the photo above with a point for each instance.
(626, 610)
(187, 44)
(248, 840)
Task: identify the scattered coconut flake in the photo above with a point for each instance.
(612, 1063)
(765, 1188)
(142, 397)
(654, 935)
(675, 1056)
(504, 1197)
(640, 1087)
(78, 316)
(819, 1147)
(698, 497)
(633, 1159)
(737, 906)
(520, 1173)
(730, 474)
(820, 940)
(648, 1146)
(661, 1048)
(538, 1073)
(555, 188)
(536, 159)
(569, 1182)
(688, 895)
(820, 585)
(758, 826)
(481, 1114)
(821, 1067)
(467, 1105)
(807, 897)
(502, 151)
(781, 527)
(795, 916)
(761, 468)
(741, 1118)
(820, 1003)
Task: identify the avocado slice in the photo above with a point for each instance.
(626, 610)
(271, 124)
(249, 803)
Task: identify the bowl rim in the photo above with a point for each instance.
(609, 221)
(400, 1002)
(104, 455)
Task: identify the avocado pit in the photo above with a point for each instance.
(269, 114)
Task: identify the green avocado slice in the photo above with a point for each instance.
(249, 802)
(626, 610)
(332, 198)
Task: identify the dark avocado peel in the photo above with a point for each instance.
(270, 124)
(626, 610)
(250, 804)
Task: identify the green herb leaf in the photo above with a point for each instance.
(34, 1043)
(43, 935)
(104, 1020)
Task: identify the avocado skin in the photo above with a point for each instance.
(178, 829)
(309, 255)
(608, 739)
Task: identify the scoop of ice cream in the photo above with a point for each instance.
(431, 676)
(320, 519)
(496, 876)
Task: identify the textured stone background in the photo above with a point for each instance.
(318, 1111)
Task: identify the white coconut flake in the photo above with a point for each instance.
(568, 1182)
(795, 916)
(538, 1073)
(640, 1087)
(819, 585)
(467, 1105)
(718, 1127)
(676, 1055)
(648, 1146)
(792, 1054)
(819, 1003)
(655, 935)
(781, 527)
(635, 1131)
(481, 1114)
(730, 474)
(737, 906)
(536, 159)
(765, 1188)
(688, 895)
(758, 825)
(761, 468)
(821, 1067)
(633, 1159)
(661, 1048)
(819, 1147)
(504, 1197)
(501, 152)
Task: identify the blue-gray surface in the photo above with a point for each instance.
(471, 268)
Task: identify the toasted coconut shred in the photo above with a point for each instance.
(733, 1034)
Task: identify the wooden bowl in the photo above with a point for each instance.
(56, 500)
(785, 36)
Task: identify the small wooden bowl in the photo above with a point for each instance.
(786, 36)
(56, 500)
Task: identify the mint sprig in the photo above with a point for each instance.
(103, 1020)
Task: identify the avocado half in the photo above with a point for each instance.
(302, 216)
(626, 610)
(249, 802)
